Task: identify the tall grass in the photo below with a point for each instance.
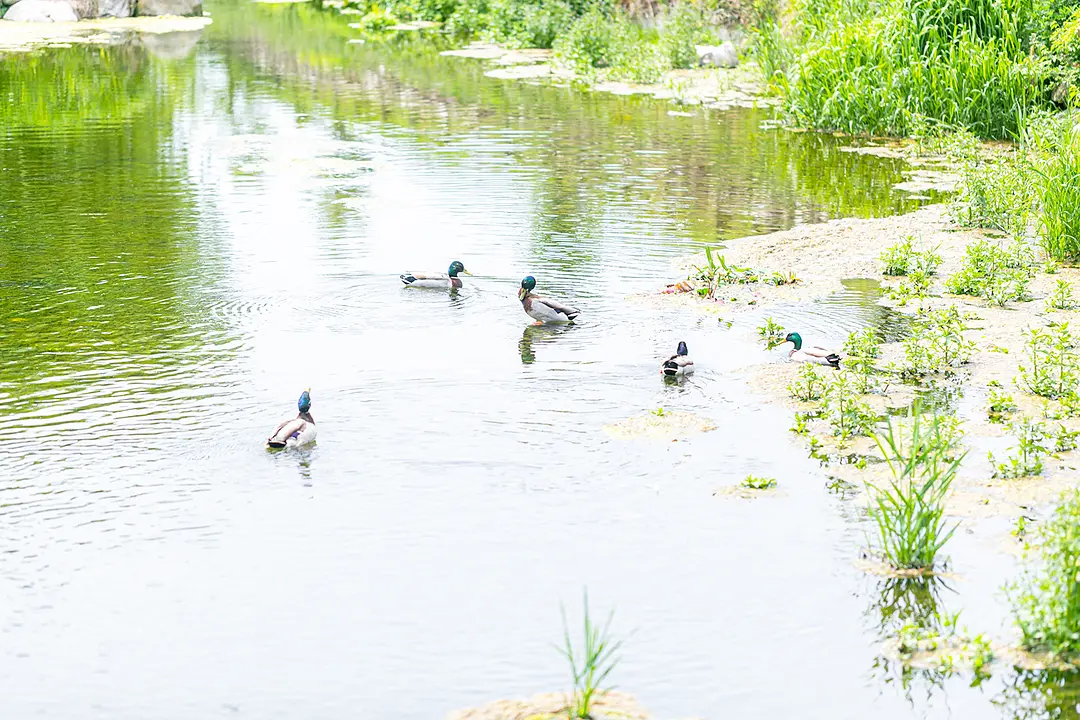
(1059, 192)
(1046, 598)
(589, 668)
(884, 68)
(909, 512)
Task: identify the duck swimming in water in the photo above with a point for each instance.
(298, 431)
(811, 353)
(544, 310)
(678, 364)
(448, 280)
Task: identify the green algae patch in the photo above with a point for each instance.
(660, 424)
(610, 705)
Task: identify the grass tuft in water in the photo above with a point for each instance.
(809, 384)
(1052, 368)
(936, 343)
(753, 482)
(772, 333)
(909, 512)
(591, 667)
(844, 408)
(1046, 598)
(903, 259)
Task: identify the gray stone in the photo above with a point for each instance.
(116, 8)
(84, 8)
(1061, 93)
(171, 46)
(167, 7)
(724, 55)
(41, 11)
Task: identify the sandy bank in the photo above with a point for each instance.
(23, 37)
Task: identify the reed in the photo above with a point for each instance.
(591, 667)
(909, 511)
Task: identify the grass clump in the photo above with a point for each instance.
(719, 273)
(753, 482)
(1056, 144)
(994, 273)
(999, 405)
(936, 343)
(1052, 367)
(1046, 598)
(909, 512)
(589, 668)
(1027, 460)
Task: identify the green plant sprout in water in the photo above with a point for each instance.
(936, 343)
(1052, 369)
(904, 259)
(772, 333)
(1061, 298)
(720, 273)
(660, 412)
(844, 409)
(591, 668)
(946, 648)
(1000, 404)
(861, 349)
(916, 285)
(1031, 437)
(1046, 598)
(909, 513)
(809, 385)
(752, 482)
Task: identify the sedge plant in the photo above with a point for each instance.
(591, 666)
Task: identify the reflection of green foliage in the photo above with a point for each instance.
(92, 222)
(1040, 695)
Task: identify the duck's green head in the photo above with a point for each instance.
(304, 403)
(794, 338)
(528, 284)
(455, 268)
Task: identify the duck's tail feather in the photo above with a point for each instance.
(407, 278)
(833, 359)
(670, 368)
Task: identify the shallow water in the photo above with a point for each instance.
(192, 232)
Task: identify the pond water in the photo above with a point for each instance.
(195, 228)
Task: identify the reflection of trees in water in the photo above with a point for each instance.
(1040, 695)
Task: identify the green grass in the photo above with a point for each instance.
(809, 384)
(753, 482)
(909, 512)
(1046, 598)
(771, 333)
(590, 667)
(998, 275)
(1052, 366)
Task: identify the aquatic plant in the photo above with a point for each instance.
(1059, 189)
(1031, 447)
(943, 645)
(995, 193)
(809, 384)
(683, 26)
(772, 333)
(936, 343)
(846, 412)
(993, 273)
(591, 668)
(1052, 369)
(1061, 297)
(753, 482)
(903, 259)
(915, 285)
(909, 512)
(1046, 598)
(999, 405)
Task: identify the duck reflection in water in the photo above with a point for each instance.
(539, 335)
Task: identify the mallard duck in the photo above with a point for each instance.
(543, 310)
(678, 364)
(298, 431)
(443, 281)
(811, 353)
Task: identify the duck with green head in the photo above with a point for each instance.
(448, 280)
(297, 431)
(544, 310)
(811, 353)
(678, 364)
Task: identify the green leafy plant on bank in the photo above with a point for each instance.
(1061, 297)
(590, 667)
(1027, 460)
(903, 259)
(994, 273)
(844, 408)
(1000, 405)
(936, 343)
(909, 511)
(1052, 367)
(809, 384)
(1046, 598)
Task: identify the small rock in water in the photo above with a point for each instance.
(724, 55)
(116, 8)
(41, 11)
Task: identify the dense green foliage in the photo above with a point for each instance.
(896, 66)
(1046, 599)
